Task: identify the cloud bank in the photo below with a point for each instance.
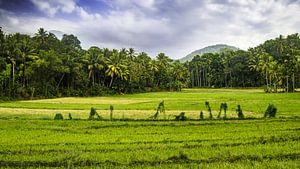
(176, 27)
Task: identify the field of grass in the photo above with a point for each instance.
(30, 138)
(140, 106)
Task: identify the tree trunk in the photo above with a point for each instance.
(13, 74)
(60, 81)
(93, 78)
(200, 78)
(205, 78)
(24, 77)
(267, 83)
(225, 81)
(192, 78)
(230, 81)
(293, 82)
(287, 84)
(111, 81)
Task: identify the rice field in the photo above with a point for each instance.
(30, 138)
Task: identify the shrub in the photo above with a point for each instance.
(161, 108)
(225, 109)
(223, 106)
(111, 111)
(181, 117)
(201, 115)
(94, 113)
(271, 111)
(58, 116)
(240, 112)
(70, 116)
(209, 109)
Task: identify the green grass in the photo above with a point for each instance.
(30, 138)
(49, 143)
(252, 101)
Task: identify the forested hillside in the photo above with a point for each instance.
(209, 49)
(42, 66)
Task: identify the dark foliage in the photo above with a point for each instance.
(209, 109)
(181, 117)
(111, 107)
(70, 116)
(271, 111)
(240, 112)
(43, 66)
(94, 113)
(58, 116)
(201, 115)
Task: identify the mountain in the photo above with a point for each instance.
(57, 33)
(209, 49)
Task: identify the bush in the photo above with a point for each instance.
(201, 115)
(271, 111)
(181, 117)
(58, 116)
(239, 112)
(111, 107)
(94, 113)
(161, 108)
(209, 109)
(70, 116)
(225, 107)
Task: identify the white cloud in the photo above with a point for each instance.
(176, 27)
(13, 20)
(52, 7)
(148, 4)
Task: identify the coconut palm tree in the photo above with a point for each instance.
(27, 54)
(265, 67)
(95, 62)
(41, 37)
(12, 52)
(116, 67)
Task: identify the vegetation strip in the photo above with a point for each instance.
(174, 159)
(261, 140)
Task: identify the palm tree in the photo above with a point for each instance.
(41, 37)
(163, 60)
(27, 53)
(163, 63)
(179, 72)
(95, 62)
(116, 67)
(131, 54)
(228, 69)
(12, 52)
(153, 69)
(263, 66)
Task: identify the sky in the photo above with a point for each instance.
(175, 27)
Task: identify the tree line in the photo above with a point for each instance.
(275, 64)
(43, 66)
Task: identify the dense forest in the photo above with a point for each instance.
(275, 64)
(43, 66)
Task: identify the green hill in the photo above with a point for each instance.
(209, 49)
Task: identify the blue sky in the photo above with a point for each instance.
(175, 27)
